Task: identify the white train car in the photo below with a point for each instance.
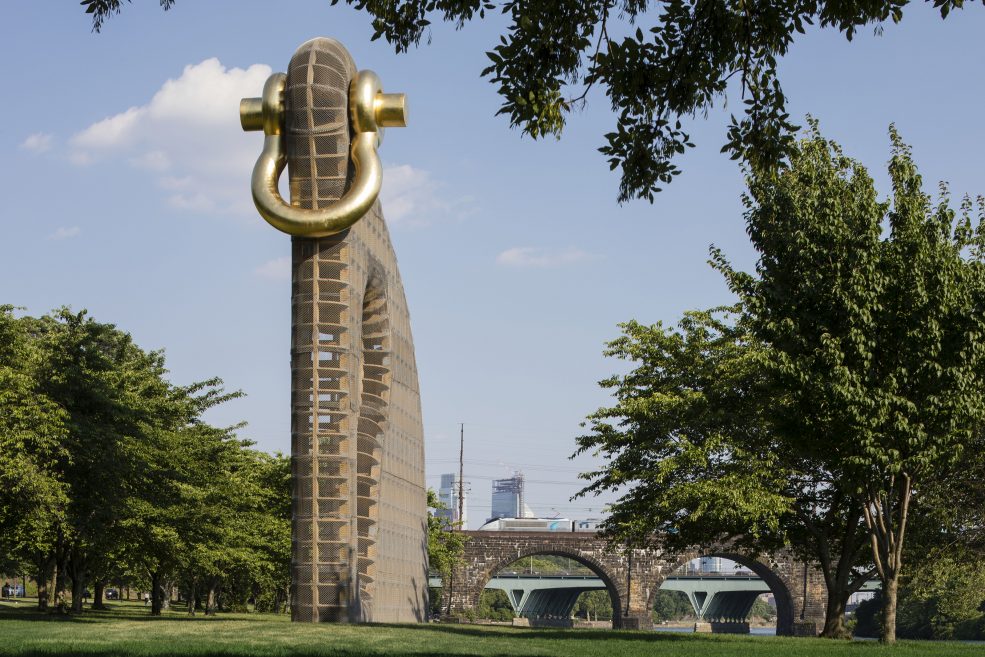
(539, 525)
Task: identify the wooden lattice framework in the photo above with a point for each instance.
(359, 501)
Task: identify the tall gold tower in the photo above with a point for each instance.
(359, 545)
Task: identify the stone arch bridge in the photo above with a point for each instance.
(632, 577)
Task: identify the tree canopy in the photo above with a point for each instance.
(692, 447)
(852, 378)
(873, 312)
(109, 474)
(660, 63)
(445, 545)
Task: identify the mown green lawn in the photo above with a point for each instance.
(128, 630)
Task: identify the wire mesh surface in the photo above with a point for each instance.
(359, 514)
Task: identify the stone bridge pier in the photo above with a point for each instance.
(633, 576)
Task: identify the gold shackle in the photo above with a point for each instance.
(370, 111)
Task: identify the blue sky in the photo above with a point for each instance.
(126, 184)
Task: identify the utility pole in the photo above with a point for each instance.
(461, 475)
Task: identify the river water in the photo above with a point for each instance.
(754, 631)
(771, 631)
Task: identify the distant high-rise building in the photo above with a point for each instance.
(710, 565)
(448, 496)
(507, 498)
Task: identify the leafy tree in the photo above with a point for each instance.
(678, 436)
(660, 63)
(270, 531)
(33, 498)
(445, 546)
(107, 473)
(494, 605)
(762, 610)
(867, 616)
(120, 413)
(876, 338)
(852, 376)
(692, 447)
(950, 509)
(593, 605)
(946, 589)
(548, 564)
(944, 595)
(103, 9)
(219, 524)
(671, 606)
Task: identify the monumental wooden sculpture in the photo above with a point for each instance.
(358, 530)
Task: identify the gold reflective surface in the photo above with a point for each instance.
(370, 110)
(251, 114)
(390, 110)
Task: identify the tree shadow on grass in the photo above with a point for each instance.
(585, 634)
(103, 616)
(219, 651)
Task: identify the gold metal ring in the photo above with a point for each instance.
(370, 111)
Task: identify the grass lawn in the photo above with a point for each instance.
(127, 629)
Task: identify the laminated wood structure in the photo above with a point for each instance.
(359, 544)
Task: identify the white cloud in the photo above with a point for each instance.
(117, 130)
(39, 142)
(278, 269)
(542, 258)
(152, 161)
(80, 158)
(65, 232)
(187, 136)
(412, 198)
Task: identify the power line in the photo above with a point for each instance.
(598, 508)
(525, 466)
(461, 473)
(570, 482)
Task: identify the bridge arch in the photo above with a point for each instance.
(764, 568)
(632, 575)
(595, 565)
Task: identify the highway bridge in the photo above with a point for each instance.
(721, 598)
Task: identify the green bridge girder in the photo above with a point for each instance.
(719, 598)
(714, 598)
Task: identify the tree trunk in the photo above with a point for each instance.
(840, 588)
(78, 592)
(60, 602)
(43, 578)
(886, 517)
(191, 597)
(278, 599)
(839, 544)
(890, 587)
(155, 593)
(834, 616)
(97, 594)
(210, 605)
(78, 571)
